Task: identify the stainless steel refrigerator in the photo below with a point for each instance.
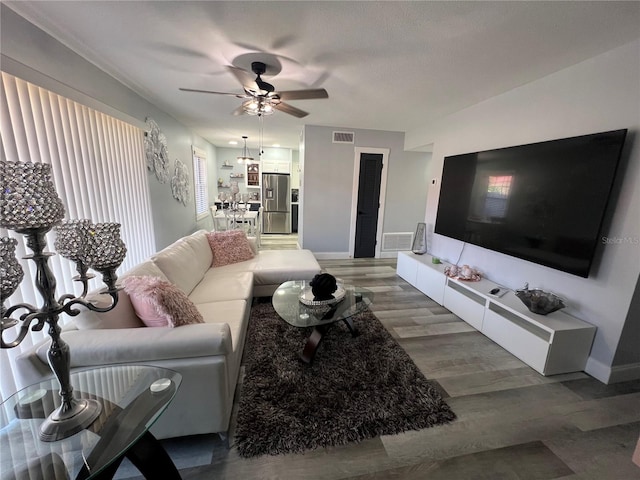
(276, 200)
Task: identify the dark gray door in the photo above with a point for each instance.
(368, 205)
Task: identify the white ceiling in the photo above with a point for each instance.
(386, 65)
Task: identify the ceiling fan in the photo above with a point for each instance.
(262, 97)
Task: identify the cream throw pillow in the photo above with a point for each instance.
(122, 315)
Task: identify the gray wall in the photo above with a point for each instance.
(31, 54)
(328, 170)
(600, 94)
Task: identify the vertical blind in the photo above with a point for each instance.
(99, 170)
(200, 179)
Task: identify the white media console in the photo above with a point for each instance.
(550, 344)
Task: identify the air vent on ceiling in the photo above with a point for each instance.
(397, 242)
(343, 137)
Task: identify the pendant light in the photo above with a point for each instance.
(246, 157)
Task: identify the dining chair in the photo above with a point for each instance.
(220, 222)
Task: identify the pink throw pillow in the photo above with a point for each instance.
(229, 247)
(159, 303)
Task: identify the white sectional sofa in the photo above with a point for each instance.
(206, 354)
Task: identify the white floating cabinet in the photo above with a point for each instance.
(407, 267)
(465, 303)
(430, 280)
(550, 344)
(515, 335)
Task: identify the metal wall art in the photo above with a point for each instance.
(180, 182)
(155, 148)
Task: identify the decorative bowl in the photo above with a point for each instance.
(540, 302)
(307, 298)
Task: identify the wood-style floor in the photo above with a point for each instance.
(513, 424)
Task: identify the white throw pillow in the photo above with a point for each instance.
(121, 316)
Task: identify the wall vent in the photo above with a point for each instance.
(343, 137)
(397, 242)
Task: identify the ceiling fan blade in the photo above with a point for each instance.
(244, 77)
(238, 111)
(304, 94)
(286, 108)
(239, 95)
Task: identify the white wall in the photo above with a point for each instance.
(628, 352)
(295, 169)
(31, 54)
(602, 93)
(328, 187)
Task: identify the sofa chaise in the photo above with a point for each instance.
(207, 355)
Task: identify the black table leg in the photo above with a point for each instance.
(352, 328)
(124, 426)
(313, 342)
(153, 461)
(148, 456)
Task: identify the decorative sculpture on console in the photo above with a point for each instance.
(323, 286)
(30, 206)
(538, 301)
(465, 272)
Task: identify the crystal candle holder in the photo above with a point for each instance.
(70, 241)
(104, 249)
(30, 206)
(11, 273)
(28, 197)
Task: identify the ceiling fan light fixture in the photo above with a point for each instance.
(259, 106)
(246, 156)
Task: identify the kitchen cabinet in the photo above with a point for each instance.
(276, 166)
(253, 175)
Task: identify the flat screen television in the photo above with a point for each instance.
(542, 202)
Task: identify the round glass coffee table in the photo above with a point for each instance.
(132, 397)
(286, 302)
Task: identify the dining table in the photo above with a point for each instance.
(238, 219)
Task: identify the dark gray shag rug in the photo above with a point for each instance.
(356, 388)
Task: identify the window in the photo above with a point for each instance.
(497, 199)
(200, 182)
(99, 172)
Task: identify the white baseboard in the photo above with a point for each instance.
(598, 370)
(607, 374)
(347, 255)
(332, 255)
(624, 373)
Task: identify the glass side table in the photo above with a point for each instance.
(132, 399)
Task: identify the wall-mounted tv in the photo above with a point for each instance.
(542, 202)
